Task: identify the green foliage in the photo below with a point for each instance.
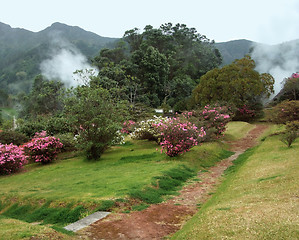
(161, 65)
(16, 138)
(96, 116)
(58, 124)
(44, 98)
(32, 126)
(284, 112)
(106, 205)
(289, 137)
(69, 142)
(236, 84)
(290, 89)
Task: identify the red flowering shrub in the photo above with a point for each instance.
(12, 158)
(178, 136)
(43, 149)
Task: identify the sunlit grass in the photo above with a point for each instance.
(237, 130)
(14, 229)
(258, 200)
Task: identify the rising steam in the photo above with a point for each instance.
(64, 59)
(279, 60)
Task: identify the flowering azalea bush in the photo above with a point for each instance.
(119, 138)
(245, 113)
(41, 134)
(147, 130)
(178, 135)
(44, 149)
(284, 112)
(213, 119)
(128, 127)
(12, 158)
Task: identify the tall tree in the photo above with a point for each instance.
(158, 58)
(237, 83)
(43, 99)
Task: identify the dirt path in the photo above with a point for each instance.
(160, 220)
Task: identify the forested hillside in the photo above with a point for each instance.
(22, 51)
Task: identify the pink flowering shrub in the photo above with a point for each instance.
(12, 158)
(41, 134)
(245, 113)
(128, 127)
(44, 149)
(178, 135)
(213, 119)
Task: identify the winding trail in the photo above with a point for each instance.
(160, 220)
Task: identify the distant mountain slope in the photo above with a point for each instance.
(234, 49)
(22, 51)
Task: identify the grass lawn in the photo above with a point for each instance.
(120, 170)
(61, 188)
(236, 130)
(259, 199)
(14, 229)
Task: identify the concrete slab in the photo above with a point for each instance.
(84, 222)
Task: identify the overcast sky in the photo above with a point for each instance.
(265, 21)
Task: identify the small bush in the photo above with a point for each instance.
(12, 159)
(30, 127)
(68, 141)
(289, 137)
(43, 150)
(147, 130)
(213, 119)
(284, 112)
(178, 135)
(16, 138)
(128, 127)
(58, 125)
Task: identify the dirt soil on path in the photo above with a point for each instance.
(161, 220)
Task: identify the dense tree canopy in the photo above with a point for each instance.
(151, 67)
(237, 83)
(43, 99)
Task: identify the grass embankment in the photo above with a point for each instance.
(62, 192)
(237, 130)
(257, 200)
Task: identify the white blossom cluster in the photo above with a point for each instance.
(146, 128)
(119, 138)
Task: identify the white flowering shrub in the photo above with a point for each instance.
(119, 138)
(147, 130)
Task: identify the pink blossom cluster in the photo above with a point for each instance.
(245, 111)
(295, 75)
(44, 149)
(128, 127)
(178, 136)
(12, 158)
(40, 134)
(212, 117)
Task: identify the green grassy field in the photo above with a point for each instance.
(257, 200)
(59, 188)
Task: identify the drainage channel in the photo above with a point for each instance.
(84, 222)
